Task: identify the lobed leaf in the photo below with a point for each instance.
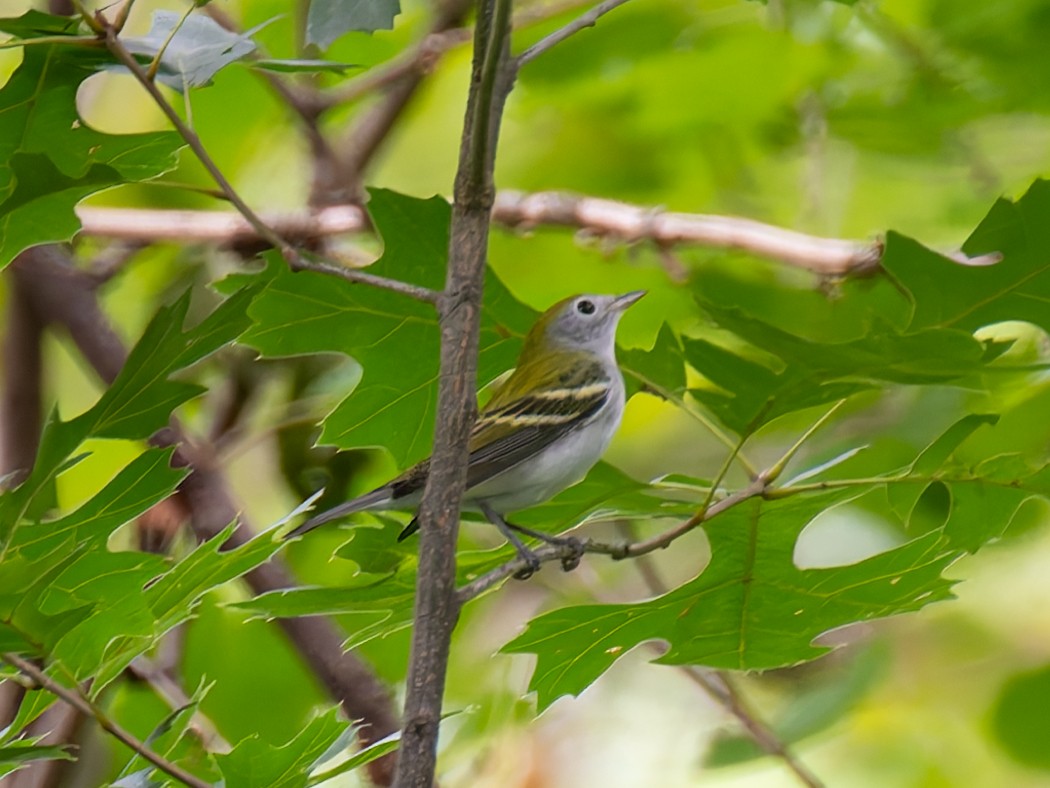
(254, 762)
(50, 159)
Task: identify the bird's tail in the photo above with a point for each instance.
(370, 500)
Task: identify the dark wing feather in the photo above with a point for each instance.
(516, 425)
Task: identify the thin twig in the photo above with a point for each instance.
(760, 486)
(295, 260)
(574, 27)
(617, 550)
(418, 59)
(359, 144)
(719, 685)
(773, 472)
(87, 707)
(172, 693)
(308, 104)
(154, 66)
(417, 292)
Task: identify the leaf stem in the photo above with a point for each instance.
(63, 40)
(125, 11)
(154, 66)
(773, 473)
(88, 708)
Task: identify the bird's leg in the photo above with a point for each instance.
(568, 562)
(505, 528)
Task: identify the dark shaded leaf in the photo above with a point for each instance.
(329, 19)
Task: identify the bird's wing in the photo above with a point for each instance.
(514, 431)
(528, 413)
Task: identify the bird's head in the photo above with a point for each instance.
(582, 322)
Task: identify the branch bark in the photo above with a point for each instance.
(20, 423)
(518, 210)
(89, 709)
(436, 606)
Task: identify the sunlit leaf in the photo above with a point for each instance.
(255, 762)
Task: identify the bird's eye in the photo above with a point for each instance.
(585, 307)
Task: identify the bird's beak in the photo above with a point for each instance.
(624, 301)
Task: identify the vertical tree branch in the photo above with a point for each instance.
(20, 401)
(20, 420)
(437, 609)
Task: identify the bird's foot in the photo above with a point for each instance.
(572, 559)
(532, 564)
(569, 561)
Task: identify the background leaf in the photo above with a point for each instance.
(329, 19)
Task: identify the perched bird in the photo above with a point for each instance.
(543, 429)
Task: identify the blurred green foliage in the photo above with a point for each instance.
(903, 118)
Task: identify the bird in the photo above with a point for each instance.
(542, 430)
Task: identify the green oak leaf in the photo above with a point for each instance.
(254, 762)
(751, 608)
(947, 294)
(659, 371)
(50, 159)
(139, 402)
(172, 596)
(781, 372)
(394, 338)
(21, 752)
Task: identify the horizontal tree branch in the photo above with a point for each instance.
(518, 210)
(86, 707)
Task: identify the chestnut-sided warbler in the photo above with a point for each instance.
(541, 431)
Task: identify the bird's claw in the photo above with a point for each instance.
(572, 559)
(532, 565)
